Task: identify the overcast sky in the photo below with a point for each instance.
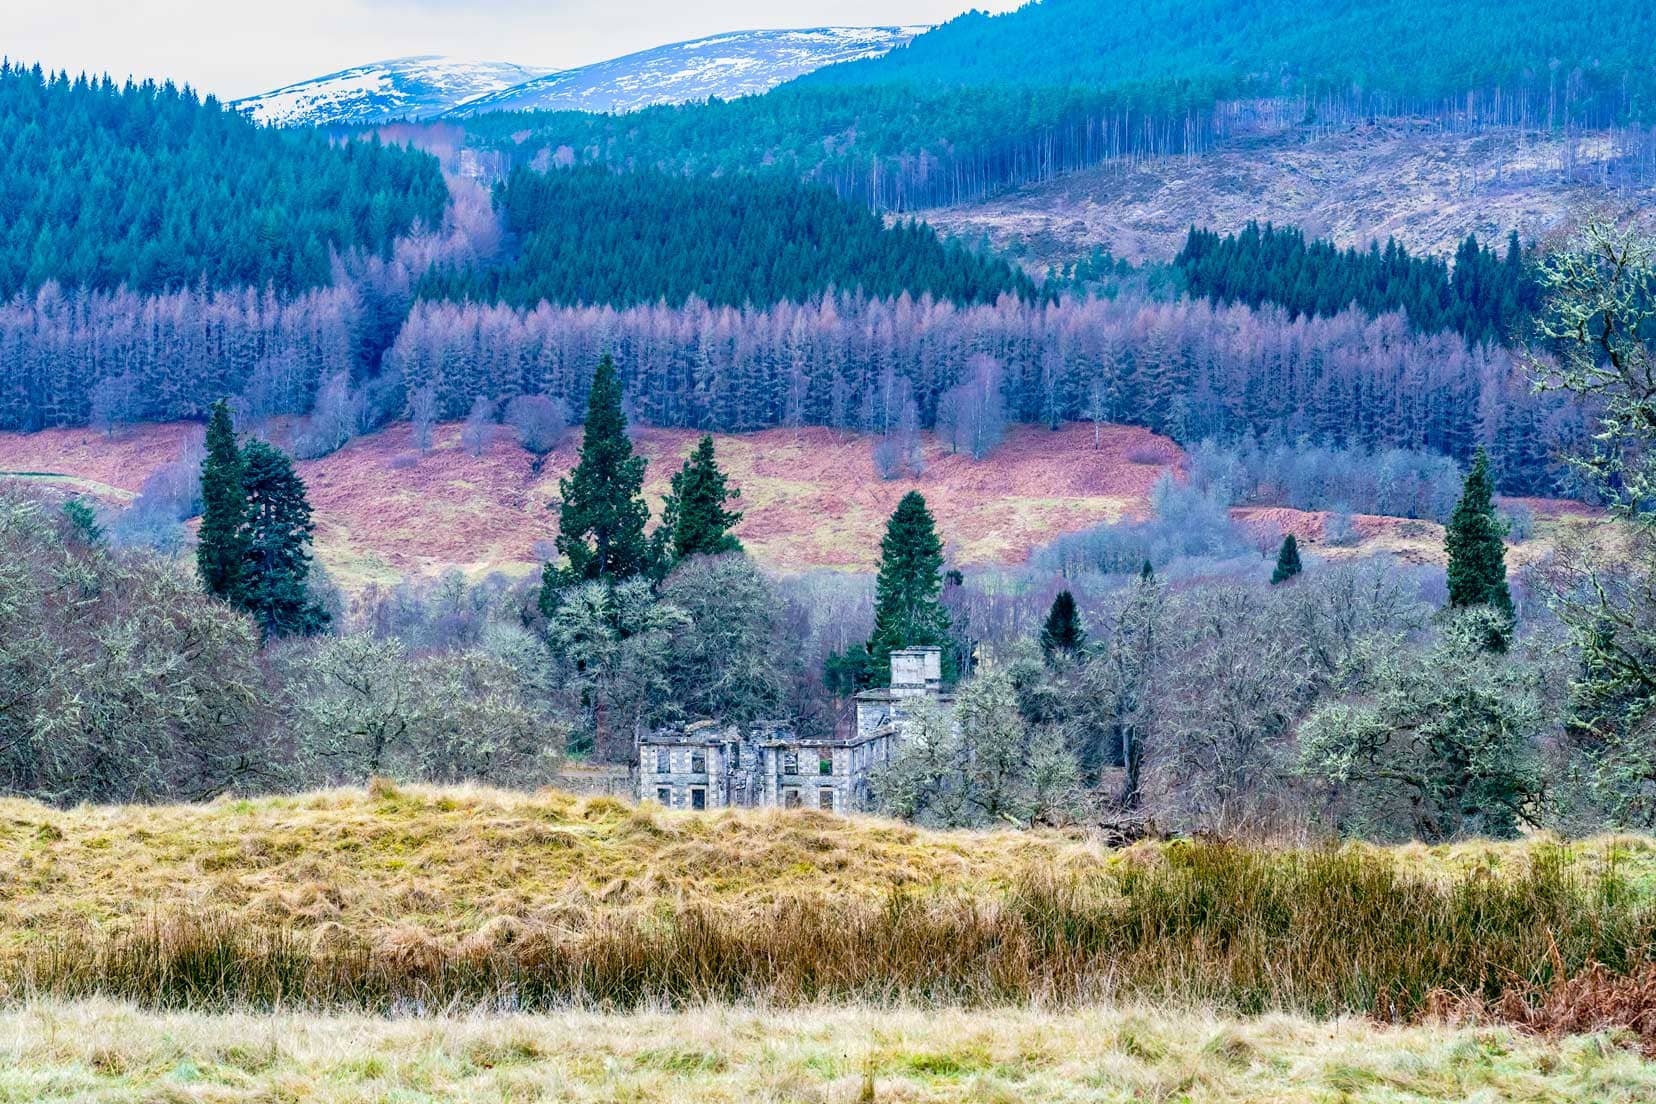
(237, 47)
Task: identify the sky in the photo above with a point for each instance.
(238, 47)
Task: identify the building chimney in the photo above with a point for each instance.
(916, 671)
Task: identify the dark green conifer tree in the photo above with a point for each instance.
(275, 576)
(602, 515)
(1288, 561)
(1473, 539)
(1063, 634)
(694, 519)
(907, 612)
(221, 546)
(83, 525)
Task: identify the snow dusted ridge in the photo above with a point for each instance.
(403, 88)
(729, 65)
(743, 63)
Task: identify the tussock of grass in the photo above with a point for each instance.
(118, 1054)
(427, 899)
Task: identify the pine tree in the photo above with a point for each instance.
(1288, 561)
(694, 517)
(907, 612)
(275, 576)
(221, 547)
(82, 521)
(601, 519)
(1062, 633)
(1473, 539)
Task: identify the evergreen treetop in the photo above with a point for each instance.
(602, 515)
(274, 583)
(907, 612)
(221, 548)
(1062, 634)
(694, 517)
(1288, 561)
(1473, 539)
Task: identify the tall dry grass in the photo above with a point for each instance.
(1243, 929)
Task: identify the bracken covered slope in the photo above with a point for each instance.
(810, 497)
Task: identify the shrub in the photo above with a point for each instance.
(540, 422)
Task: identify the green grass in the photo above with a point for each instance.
(55, 1053)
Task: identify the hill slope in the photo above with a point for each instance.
(1406, 51)
(811, 498)
(1425, 187)
(743, 63)
(401, 88)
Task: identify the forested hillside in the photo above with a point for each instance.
(588, 235)
(154, 188)
(988, 101)
(1485, 297)
(1587, 63)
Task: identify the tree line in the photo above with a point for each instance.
(1188, 369)
(1192, 370)
(588, 235)
(1484, 297)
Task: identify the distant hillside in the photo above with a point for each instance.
(153, 189)
(985, 102)
(402, 88)
(743, 63)
(1422, 53)
(1353, 184)
(725, 66)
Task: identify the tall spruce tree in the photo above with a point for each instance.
(694, 519)
(1473, 539)
(907, 612)
(1063, 634)
(275, 577)
(1288, 561)
(601, 519)
(221, 547)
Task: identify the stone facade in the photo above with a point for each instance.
(708, 765)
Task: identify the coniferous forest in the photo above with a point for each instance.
(588, 235)
(1485, 297)
(152, 188)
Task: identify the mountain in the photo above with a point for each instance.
(402, 88)
(725, 66)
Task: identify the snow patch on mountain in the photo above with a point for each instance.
(743, 63)
(401, 88)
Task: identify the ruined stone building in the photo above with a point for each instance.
(710, 765)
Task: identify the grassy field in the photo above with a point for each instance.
(415, 899)
(98, 1051)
